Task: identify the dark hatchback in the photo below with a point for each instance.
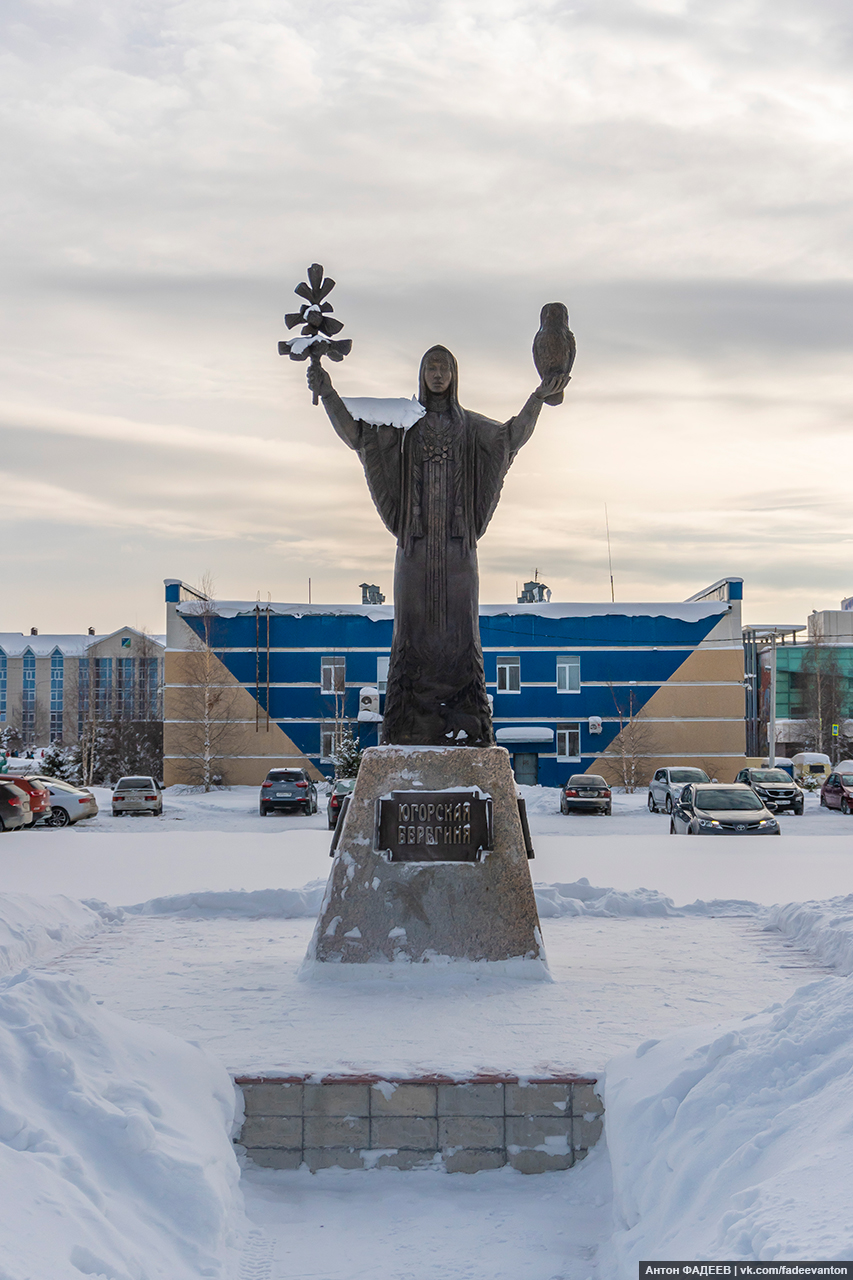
(585, 793)
(14, 807)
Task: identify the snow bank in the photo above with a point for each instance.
(115, 1152)
(580, 898)
(823, 928)
(737, 1146)
(35, 928)
(281, 904)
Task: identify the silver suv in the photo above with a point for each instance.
(287, 789)
(667, 785)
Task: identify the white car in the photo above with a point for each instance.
(137, 795)
(667, 785)
(68, 803)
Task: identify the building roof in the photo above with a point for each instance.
(15, 643)
(683, 611)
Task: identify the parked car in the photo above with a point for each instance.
(343, 787)
(585, 793)
(775, 787)
(68, 803)
(39, 797)
(137, 795)
(287, 789)
(14, 806)
(837, 792)
(667, 785)
(721, 809)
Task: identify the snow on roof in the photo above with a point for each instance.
(679, 611)
(15, 643)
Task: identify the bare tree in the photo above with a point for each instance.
(628, 760)
(206, 705)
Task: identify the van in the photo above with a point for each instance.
(811, 764)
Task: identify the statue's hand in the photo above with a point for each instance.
(319, 382)
(550, 386)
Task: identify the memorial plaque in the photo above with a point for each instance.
(434, 826)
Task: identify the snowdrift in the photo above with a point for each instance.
(576, 899)
(580, 898)
(115, 1152)
(737, 1146)
(824, 928)
(281, 904)
(36, 928)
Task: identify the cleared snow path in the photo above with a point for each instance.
(231, 985)
(345, 1225)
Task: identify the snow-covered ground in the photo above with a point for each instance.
(678, 967)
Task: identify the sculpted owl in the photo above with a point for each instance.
(554, 347)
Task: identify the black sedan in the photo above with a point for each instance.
(712, 809)
(585, 793)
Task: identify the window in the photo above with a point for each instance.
(82, 694)
(333, 675)
(3, 675)
(509, 674)
(28, 700)
(57, 695)
(103, 688)
(148, 670)
(568, 674)
(382, 673)
(568, 742)
(125, 688)
(328, 741)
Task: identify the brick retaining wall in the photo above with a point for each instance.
(358, 1122)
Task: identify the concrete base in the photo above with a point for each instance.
(462, 1126)
(383, 914)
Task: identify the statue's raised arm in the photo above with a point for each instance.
(340, 417)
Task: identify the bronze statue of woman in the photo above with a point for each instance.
(436, 487)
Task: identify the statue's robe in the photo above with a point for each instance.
(436, 487)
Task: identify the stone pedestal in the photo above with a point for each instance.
(388, 914)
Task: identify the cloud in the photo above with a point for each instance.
(679, 173)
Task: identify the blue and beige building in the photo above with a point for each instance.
(568, 682)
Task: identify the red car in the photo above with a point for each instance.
(38, 794)
(837, 792)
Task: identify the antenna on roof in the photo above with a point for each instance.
(609, 557)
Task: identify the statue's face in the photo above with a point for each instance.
(438, 373)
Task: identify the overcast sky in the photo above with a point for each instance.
(680, 174)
